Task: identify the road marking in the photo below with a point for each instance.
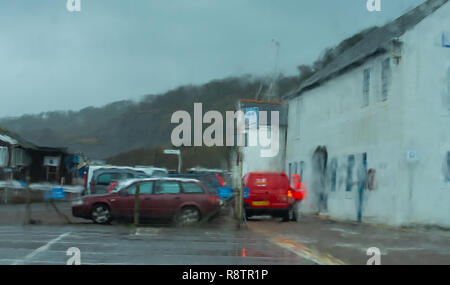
(147, 231)
(299, 249)
(41, 249)
(345, 231)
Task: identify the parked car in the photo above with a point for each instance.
(185, 201)
(269, 193)
(213, 182)
(102, 178)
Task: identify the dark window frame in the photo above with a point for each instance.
(350, 166)
(366, 87)
(386, 74)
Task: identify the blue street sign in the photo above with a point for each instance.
(225, 192)
(56, 193)
(246, 192)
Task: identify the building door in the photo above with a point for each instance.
(362, 174)
(319, 164)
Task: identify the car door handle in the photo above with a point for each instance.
(148, 198)
(178, 198)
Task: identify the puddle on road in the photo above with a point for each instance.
(345, 231)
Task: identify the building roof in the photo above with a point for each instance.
(52, 149)
(14, 139)
(374, 42)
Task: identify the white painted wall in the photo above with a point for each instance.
(412, 118)
(426, 68)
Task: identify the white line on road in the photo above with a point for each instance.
(41, 249)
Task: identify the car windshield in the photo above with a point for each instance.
(223, 132)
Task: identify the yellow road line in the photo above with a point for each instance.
(298, 248)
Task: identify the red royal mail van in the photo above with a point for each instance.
(269, 194)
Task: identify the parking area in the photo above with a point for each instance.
(215, 242)
(264, 240)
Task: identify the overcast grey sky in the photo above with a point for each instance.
(51, 59)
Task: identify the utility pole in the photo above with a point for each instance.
(136, 205)
(241, 188)
(28, 202)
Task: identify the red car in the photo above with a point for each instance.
(186, 201)
(269, 194)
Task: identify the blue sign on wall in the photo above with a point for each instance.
(251, 117)
(445, 41)
(56, 193)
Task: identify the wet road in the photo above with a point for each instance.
(214, 242)
(264, 241)
(119, 244)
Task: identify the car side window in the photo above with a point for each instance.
(105, 179)
(192, 188)
(167, 187)
(146, 187)
(131, 189)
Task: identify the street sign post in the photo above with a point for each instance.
(176, 152)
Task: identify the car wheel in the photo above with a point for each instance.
(188, 216)
(101, 214)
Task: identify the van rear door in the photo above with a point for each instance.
(268, 190)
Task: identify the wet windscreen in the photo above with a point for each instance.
(242, 134)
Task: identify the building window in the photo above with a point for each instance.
(366, 87)
(4, 156)
(446, 168)
(302, 167)
(333, 174)
(21, 157)
(298, 118)
(446, 97)
(385, 78)
(350, 165)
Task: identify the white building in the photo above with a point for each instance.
(254, 158)
(383, 105)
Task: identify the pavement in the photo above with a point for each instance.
(331, 242)
(265, 240)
